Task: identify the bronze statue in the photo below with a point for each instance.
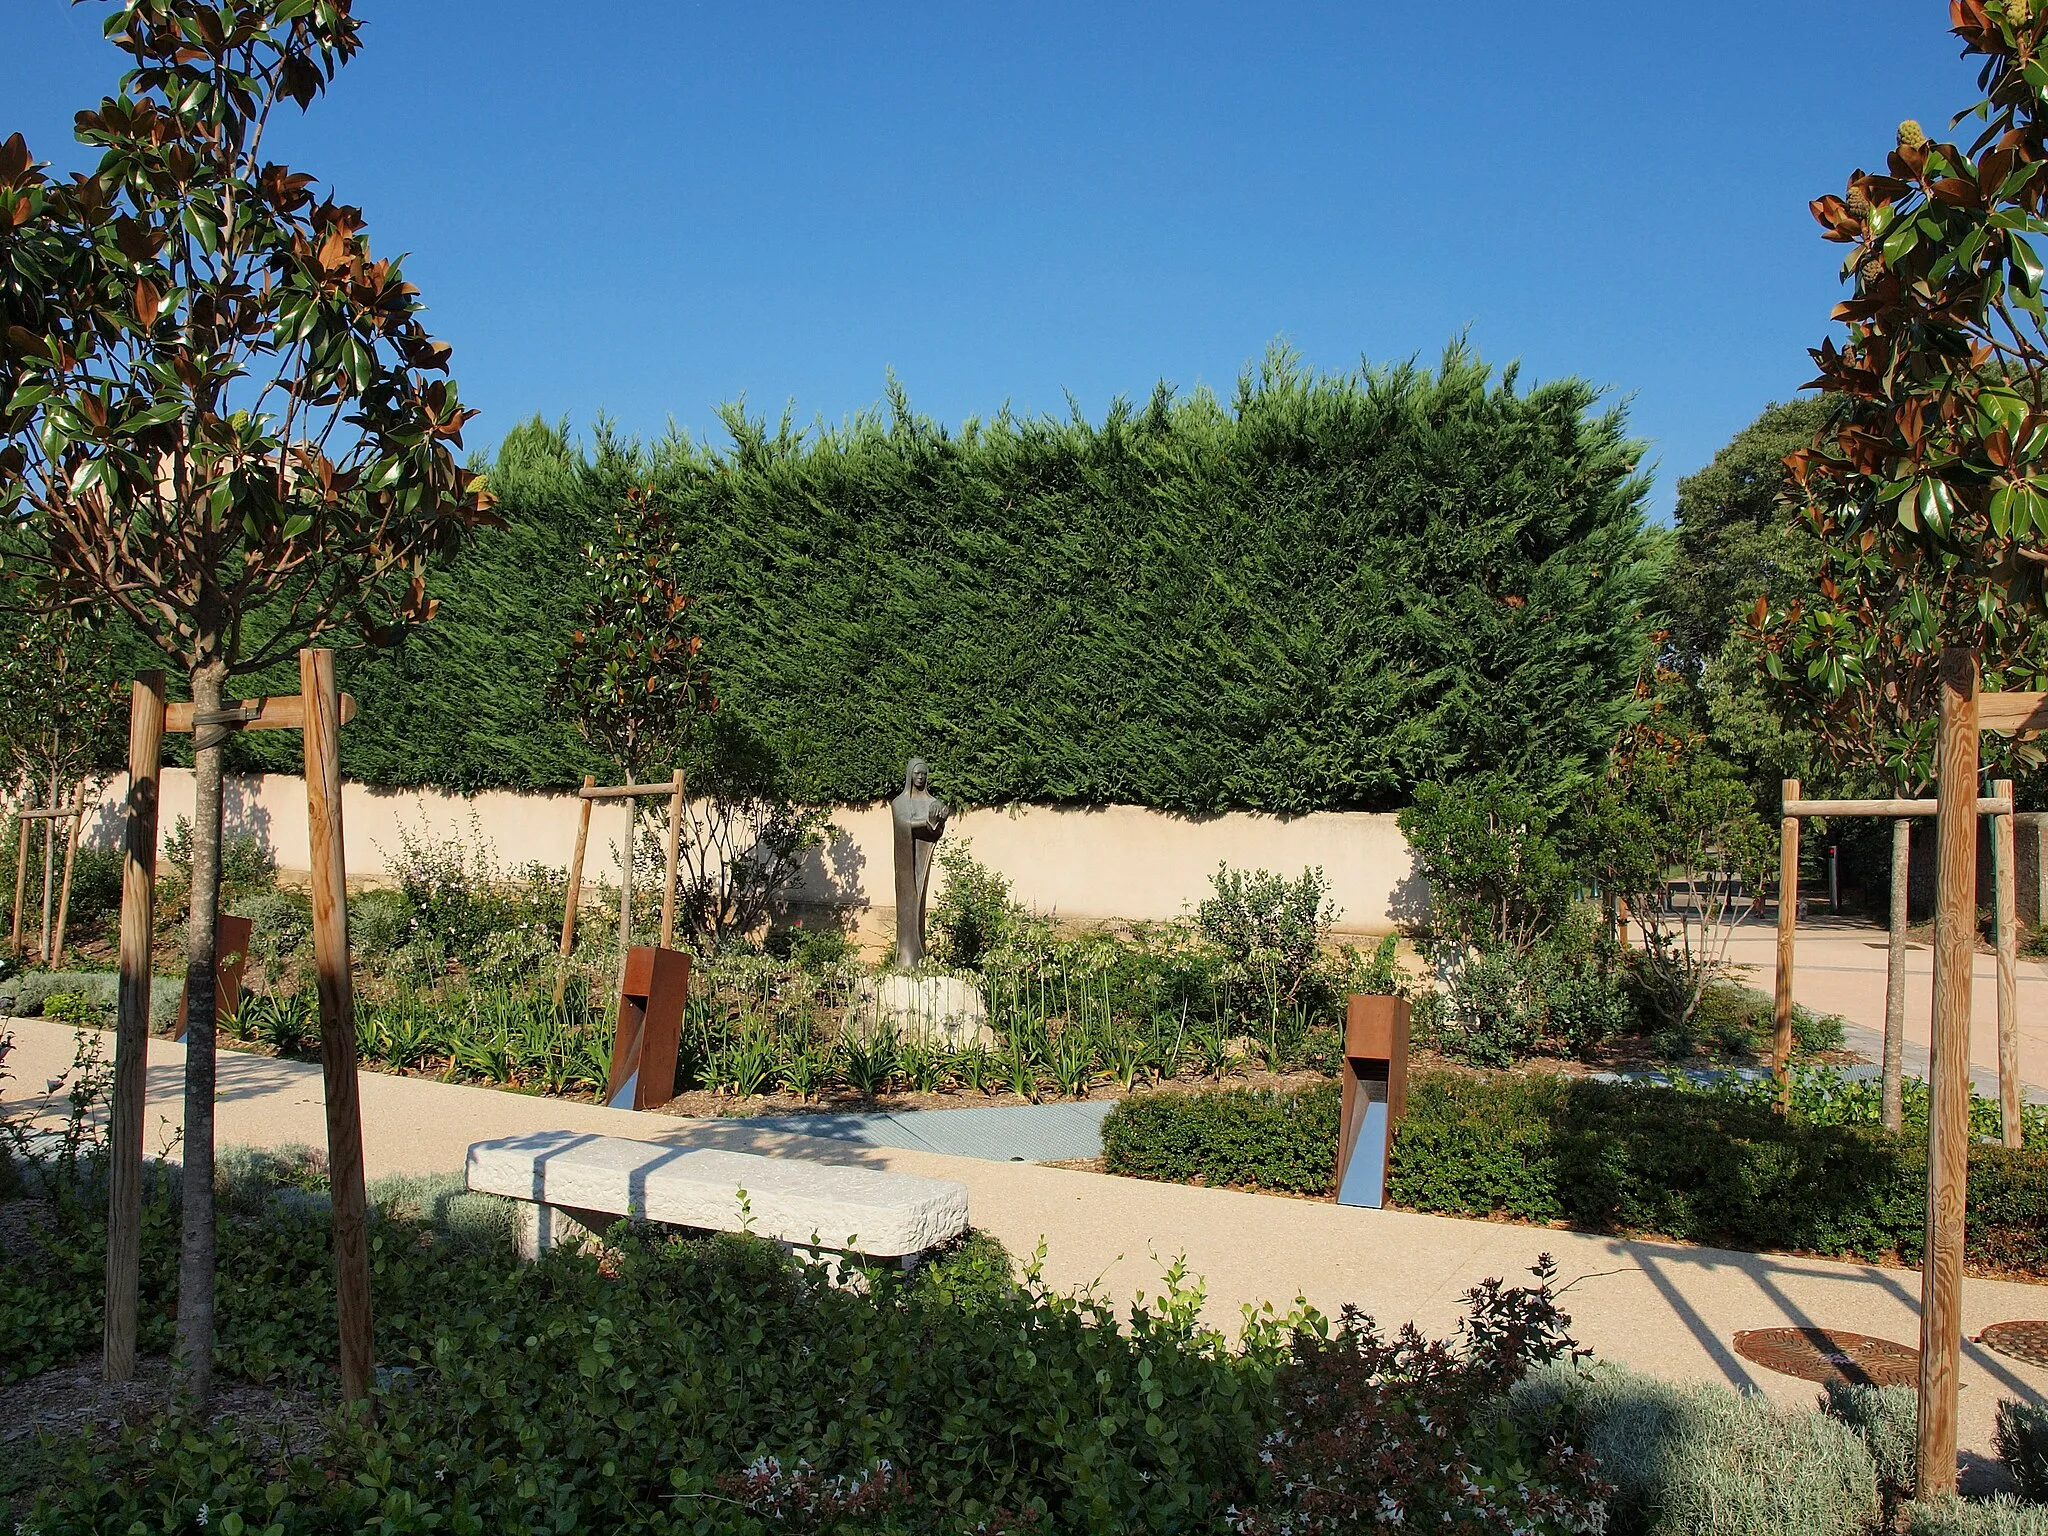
(920, 821)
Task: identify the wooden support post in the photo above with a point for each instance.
(574, 894)
(337, 1018)
(1788, 934)
(131, 1028)
(1892, 1075)
(2004, 906)
(626, 884)
(20, 870)
(64, 889)
(675, 852)
(1948, 1127)
(49, 872)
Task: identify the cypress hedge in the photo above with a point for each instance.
(1603, 1157)
(1313, 598)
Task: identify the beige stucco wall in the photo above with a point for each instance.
(1080, 863)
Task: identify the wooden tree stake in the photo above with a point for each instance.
(1892, 1074)
(2004, 906)
(1948, 1120)
(131, 1028)
(626, 886)
(337, 1018)
(574, 895)
(675, 850)
(64, 888)
(1788, 937)
(20, 872)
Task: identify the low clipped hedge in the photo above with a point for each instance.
(1605, 1157)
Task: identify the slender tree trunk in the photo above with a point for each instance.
(1894, 1111)
(196, 1254)
(49, 858)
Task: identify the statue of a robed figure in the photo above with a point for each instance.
(920, 820)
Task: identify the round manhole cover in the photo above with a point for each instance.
(2022, 1341)
(1830, 1354)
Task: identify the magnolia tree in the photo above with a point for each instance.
(220, 417)
(1928, 488)
(62, 722)
(631, 675)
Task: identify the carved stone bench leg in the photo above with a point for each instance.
(542, 1227)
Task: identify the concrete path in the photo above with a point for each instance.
(1839, 967)
(1663, 1307)
(1065, 1132)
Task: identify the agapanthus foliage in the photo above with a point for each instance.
(1929, 486)
(219, 413)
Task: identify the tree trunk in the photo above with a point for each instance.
(49, 858)
(1894, 1113)
(196, 1253)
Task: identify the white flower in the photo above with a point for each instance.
(203, 1514)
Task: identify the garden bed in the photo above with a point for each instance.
(1715, 1166)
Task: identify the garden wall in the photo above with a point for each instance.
(1082, 863)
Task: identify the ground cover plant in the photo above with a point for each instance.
(1712, 1165)
(678, 1383)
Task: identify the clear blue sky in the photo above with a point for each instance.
(650, 206)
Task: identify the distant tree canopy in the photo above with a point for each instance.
(1737, 538)
(1315, 597)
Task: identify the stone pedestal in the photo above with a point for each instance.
(946, 1011)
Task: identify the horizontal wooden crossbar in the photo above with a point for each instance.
(285, 712)
(1987, 805)
(2013, 714)
(58, 814)
(627, 791)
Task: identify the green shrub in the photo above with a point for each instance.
(1700, 1460)
(95, 888)
(247, 866)
(281, 927)
(1609, 1157)
(1270, 930)
(2021, 1435)
(2000, 1516)
(378, 922)
(1237, 1136)
(975, 912)
(1493, 1017)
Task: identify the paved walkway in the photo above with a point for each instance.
(1839, 967)
(1662, 1307)
(1062, 1132)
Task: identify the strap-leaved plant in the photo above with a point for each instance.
(220, 416)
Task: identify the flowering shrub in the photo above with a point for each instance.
(1407, 1434)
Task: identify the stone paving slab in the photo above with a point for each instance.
(1003, 1133)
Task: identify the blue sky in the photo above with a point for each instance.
(644, 209)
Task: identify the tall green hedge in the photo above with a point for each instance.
(1311, 598)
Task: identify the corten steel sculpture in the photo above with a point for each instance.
(651, 1000)
(1375, 1094)
(920, 821)
(230, 959)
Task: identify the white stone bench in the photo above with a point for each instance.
(574, 1183)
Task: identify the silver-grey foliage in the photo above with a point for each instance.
(1700, 1460)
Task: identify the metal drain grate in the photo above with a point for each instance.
(2025, 1341)
(1830, 1354)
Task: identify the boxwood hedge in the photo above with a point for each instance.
(1606, 1157)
